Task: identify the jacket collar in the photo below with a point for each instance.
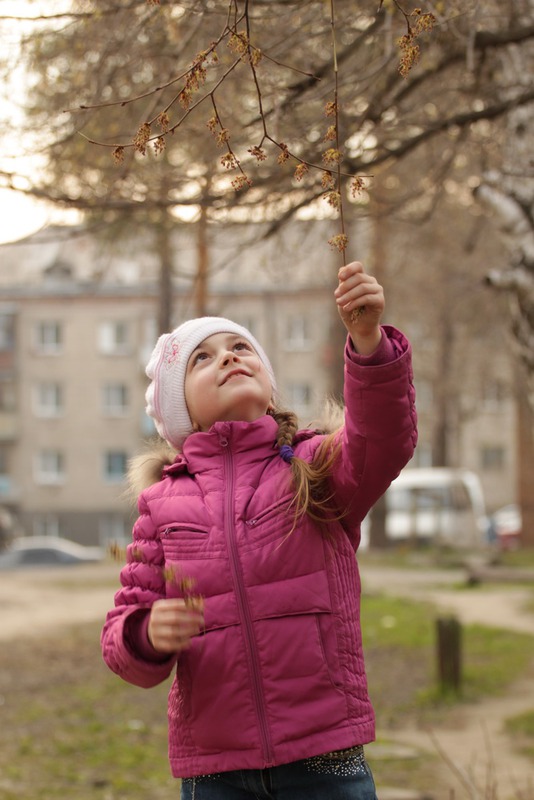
(251, 442)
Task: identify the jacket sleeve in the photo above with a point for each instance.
(123, 646)
(380, 431)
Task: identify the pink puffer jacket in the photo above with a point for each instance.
(278, 674)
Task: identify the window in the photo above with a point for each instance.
(113, 337)
(148, 426)
(7, 331)
(115, 399)
(423, 455)
(7, 395)
(492, 457)
(112, 528)
(493, 395)
(250, 323)
(425, 395)
(46, 525)
(48, 400)
(48, 337)
(115, 465)
(149, 336)
(49, 468)
(3, 459)
(298, 335)
(299, 395)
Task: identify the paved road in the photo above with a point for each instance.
(35, 601)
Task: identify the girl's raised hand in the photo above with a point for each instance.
(360, 302)
(172, 624)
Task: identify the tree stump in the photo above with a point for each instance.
(449, 654)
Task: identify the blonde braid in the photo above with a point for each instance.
(313, 494)
(287, 426)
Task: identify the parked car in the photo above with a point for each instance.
(41, 551)
(505, 527)
(435, 505)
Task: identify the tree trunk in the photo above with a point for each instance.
(377, 533)
(441, 443)
(164, 250)
(201, 278)
(526, 463)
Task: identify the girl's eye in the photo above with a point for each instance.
(199, 357)
(242, 346)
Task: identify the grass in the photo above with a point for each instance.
(404, 633)
(521, 728)
(522, 558)
(408, 557)
(71, 728)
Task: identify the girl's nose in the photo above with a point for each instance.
(228, 357)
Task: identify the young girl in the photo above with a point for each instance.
(242, 574)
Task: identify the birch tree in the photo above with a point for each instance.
(507, 191)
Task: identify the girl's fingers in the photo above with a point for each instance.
(172, 625)
(361, 294)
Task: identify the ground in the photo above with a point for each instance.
(473, 737)
(469, 745)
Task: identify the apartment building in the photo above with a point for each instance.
(78, 320)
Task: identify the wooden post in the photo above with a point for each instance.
(449, 654)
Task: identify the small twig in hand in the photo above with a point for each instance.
(334, 157)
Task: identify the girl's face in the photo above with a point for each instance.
(226, 380)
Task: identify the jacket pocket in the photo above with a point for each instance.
(330, 647)
(269, 512)
(300, 607)
(270, 522)
(182, 539)
(183, 529)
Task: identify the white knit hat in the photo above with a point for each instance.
(165, 396)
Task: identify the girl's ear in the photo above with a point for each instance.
(196, 427)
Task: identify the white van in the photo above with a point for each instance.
(435, 505)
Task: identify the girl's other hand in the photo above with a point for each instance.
(360, 302)
(172, 624)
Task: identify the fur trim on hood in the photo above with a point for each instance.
(332, 417)
(147, 468)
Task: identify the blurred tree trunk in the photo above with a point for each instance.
(201, 277)
(526, 462)
(165, 257)
(379, 255)
(441, 445)
(508, 192)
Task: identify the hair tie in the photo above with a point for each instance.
(286, 452)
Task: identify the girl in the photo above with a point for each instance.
(241, 573)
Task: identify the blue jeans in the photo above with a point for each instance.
(344, 775)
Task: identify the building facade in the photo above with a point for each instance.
(78, 321)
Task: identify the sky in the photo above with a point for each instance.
(19, 214)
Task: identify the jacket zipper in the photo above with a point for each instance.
(243, 607)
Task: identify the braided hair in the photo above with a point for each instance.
(313, 492)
